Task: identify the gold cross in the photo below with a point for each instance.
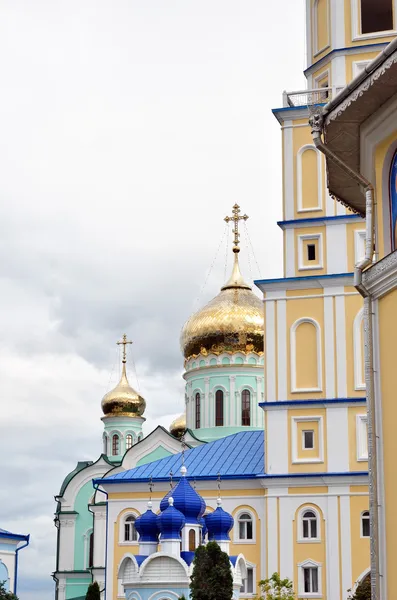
(236, 218)
(124, 342)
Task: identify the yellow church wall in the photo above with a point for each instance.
(382, 196)
(312, 308)
(353, 305)
(251, 551)
(309, 189)
(360, 546)
(387, 337)
(303, 237)
(354, 464)
(313, 550)
(319, 489)
(321, 28)
(296, 455)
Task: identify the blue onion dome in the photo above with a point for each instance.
(186, 499)
(146, 526)
(170, 522)
(219, 523)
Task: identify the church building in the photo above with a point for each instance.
(275, 397)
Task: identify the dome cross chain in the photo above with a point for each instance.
(123, 342)
(236, 218)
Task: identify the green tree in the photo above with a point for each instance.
(6, 595)
(212, 576)
(93, 592)
(275, 588)
(363, 590)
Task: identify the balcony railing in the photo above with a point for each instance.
(310, 97)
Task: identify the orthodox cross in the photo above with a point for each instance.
(236, 218)
(123, 342)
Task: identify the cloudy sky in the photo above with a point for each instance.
(128, 129)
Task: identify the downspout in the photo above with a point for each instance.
(16, 562)
(316, 122)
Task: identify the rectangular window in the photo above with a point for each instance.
(311, 252)
(248, 583)
(310, 580)
(376, 15)
(308, 439)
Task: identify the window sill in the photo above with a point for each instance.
(308, 596)
(309, 541)
(253, 541)
(371, 36)
(128, 543)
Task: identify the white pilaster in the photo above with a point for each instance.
(289, 252)
(206, 410)
(288, 171)
(99, 535)
(340, 318)
(336, 248)
(273, 529)
(66, 542)
(329, 340)
(270, 346)
(287, 537)
(277, 447)
(332, 548)
(338, 440)
(232, 384)
(282, 347)
(345, 530)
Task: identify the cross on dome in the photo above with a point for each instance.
(123, 342)
(236, 218)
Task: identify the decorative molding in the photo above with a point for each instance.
(319, 263)
(358, 348)
(299, 179)
(362, 438)
(294, 327)
(299, 528)
(294, 440)
(381, 278)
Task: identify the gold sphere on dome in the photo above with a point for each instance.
(233, 321)
(178, 426)
(123, 400)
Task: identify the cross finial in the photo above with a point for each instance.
(123, 342)
(236, 218)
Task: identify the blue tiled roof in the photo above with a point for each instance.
(240, 455)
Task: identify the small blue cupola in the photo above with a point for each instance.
(219, 523)
(170, 522)
(147, 526)
(186, 500)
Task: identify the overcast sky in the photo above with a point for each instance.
(128, 130)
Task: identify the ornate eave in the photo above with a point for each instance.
(344, 117)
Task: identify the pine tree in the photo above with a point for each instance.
(93, 592)
(212, 576)
(363, 590)
(6, 595)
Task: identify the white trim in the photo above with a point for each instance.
(270, 346)
(299, 527)
(299, 179)
(359, 245)
(296, 460)
(86, 538)
(356, 25)
(358, 347)
(282, 388)
(316, 265)
(290, 252)
(130, 513)
(309, 563)
(336, 242)
(362, 536)
(340, 328)
(329, 343)
(359, 66)
(236, 528)
(294, 327)
(252, 566)
(346, 540)
(317, 51)
(316, 80)
(362, 437)
(304, 441)
(338, 30)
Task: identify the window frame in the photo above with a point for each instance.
(319, 458)
(129, 435)
(244, 392)
(311, 540)
(313, 446)
(356, 24)
(197, 410)
(309, 564)
(236, 529)
(252, 567)
(122, 523)
(318, 263)
(115, 436)
(367, 518)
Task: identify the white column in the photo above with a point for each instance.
(282, 347)
(171, 546)
(346, 539)
(340, 318)
(289, 252)
(99, 535)
(232, 384)
(338, 439)
(332, 547)
(66, 542)
(288, 171)
(207, 411)
(287, 537)
(273, 529)
(277, 448)
(270, 347)
(329, 343)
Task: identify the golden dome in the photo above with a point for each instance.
(123, 400)
(178, 426)
(233, 321)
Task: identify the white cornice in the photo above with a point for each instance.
(304, 283)
(381, 278)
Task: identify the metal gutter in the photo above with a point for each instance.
(16, 562)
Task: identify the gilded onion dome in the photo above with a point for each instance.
(178, 426)
(123, 400)
(233, 321)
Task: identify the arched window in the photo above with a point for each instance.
(365, 524)
(309, 525)
(219, 408)
(130, 533)
(376, 16)
(91, 551)
(128, 441)
(246, 408)
(192, 540)
(197, 407)
(245, 529)
(115, 444)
